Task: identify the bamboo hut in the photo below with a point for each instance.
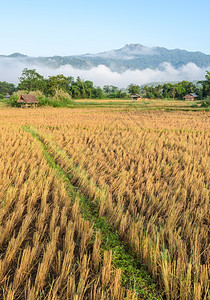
(27, 101)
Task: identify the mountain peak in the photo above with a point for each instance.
(137, 46)
(133, 50)
(16, 54)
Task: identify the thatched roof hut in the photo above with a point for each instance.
(135, 96)
(27, 99)
(190, 96)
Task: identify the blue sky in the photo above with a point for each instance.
(47, 28)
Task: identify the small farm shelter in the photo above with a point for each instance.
(190, 96)
(136, 97)
(27, 101)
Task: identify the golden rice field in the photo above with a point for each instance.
(104, 204)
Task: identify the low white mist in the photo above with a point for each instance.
(11, 70)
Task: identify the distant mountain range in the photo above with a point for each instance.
(132, 57)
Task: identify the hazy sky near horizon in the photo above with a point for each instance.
(66, 27)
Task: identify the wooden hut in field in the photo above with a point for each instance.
(190, 96)
(27, 101)
(136, 97)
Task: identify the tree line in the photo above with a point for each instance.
(31, 80)
(174, 90)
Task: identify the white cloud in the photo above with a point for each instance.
(11, 70)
